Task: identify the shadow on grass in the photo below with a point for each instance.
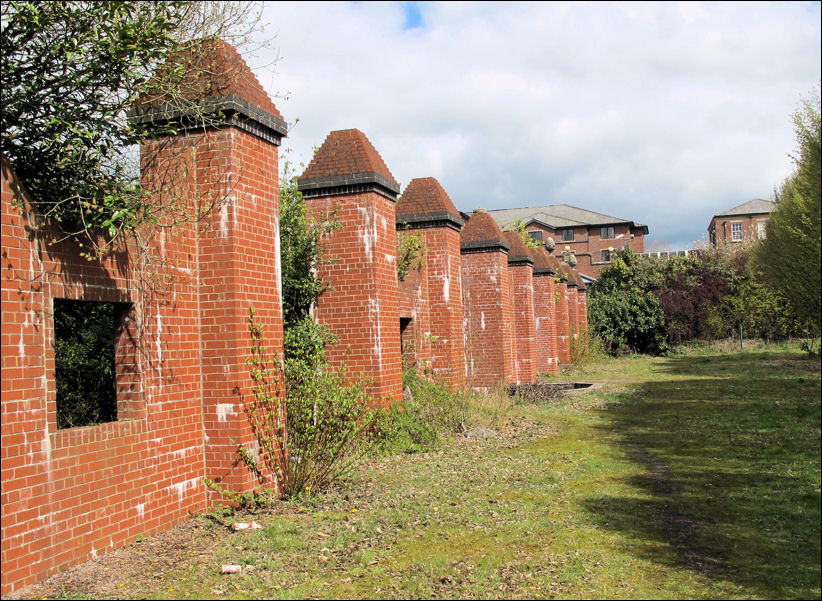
(732, 471)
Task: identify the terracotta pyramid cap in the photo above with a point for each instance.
(519, 252)
(425, 196)
(346, 152)
(213, 69)
(482, 232)
(544, 264)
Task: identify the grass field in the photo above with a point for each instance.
(692, 476)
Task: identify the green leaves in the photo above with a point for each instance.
(790, 254)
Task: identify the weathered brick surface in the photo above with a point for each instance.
(488, 317)
(362, 306)
(69, 495)
(426, 209)
(545, 312)
(521, 270)
(563, 319)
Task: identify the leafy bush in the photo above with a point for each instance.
(428, 413)
(331, 423)
(623, 314)
(586, 348)
(647, 305)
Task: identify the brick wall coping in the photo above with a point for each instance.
(239, 113)
(481, 246)
(427, 220)
(352, 183)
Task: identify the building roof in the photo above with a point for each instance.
(557, 217)
(756, 206)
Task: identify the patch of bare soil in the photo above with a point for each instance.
(139, 569)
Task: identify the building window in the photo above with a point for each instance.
(606, 256)
(568, 235)
(92, 355)
(761, 228)
(736, 231)
(536, 236)
(606, 232)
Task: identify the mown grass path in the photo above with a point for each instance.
(699, 479)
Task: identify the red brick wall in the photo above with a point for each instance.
(442, 267)
(545, 324)
(573, 305)
(488, 319)
(414, 305)
(563, 348)
(72, 494)
(522, 294)
(588, 244)
(362, 308)
(720, 228)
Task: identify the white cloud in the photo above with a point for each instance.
(663, 113)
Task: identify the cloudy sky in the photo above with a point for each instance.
(660, 113)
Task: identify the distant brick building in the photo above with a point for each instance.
(741, 224)
(591, 236)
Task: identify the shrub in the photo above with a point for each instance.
(428, 413)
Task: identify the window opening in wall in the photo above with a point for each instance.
(760, 229)
(536, 236)
(606, 232)
(85, 368)
(606, 255)
(568, 235)
(736, 231)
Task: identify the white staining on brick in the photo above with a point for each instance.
(482, 319)
(141, 509)
(181, 487)
(376, 334)
(224, 410)
(367, 233)
(224, 221)
(158, 343)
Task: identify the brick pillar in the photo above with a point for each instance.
(233, 169)
(583, 302)
(573, 305)
(563, 343)
(521, 269)
(486, 298)
(545, 312)
(425, 208)
(348, 181)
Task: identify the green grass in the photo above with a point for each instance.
(694, 476)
